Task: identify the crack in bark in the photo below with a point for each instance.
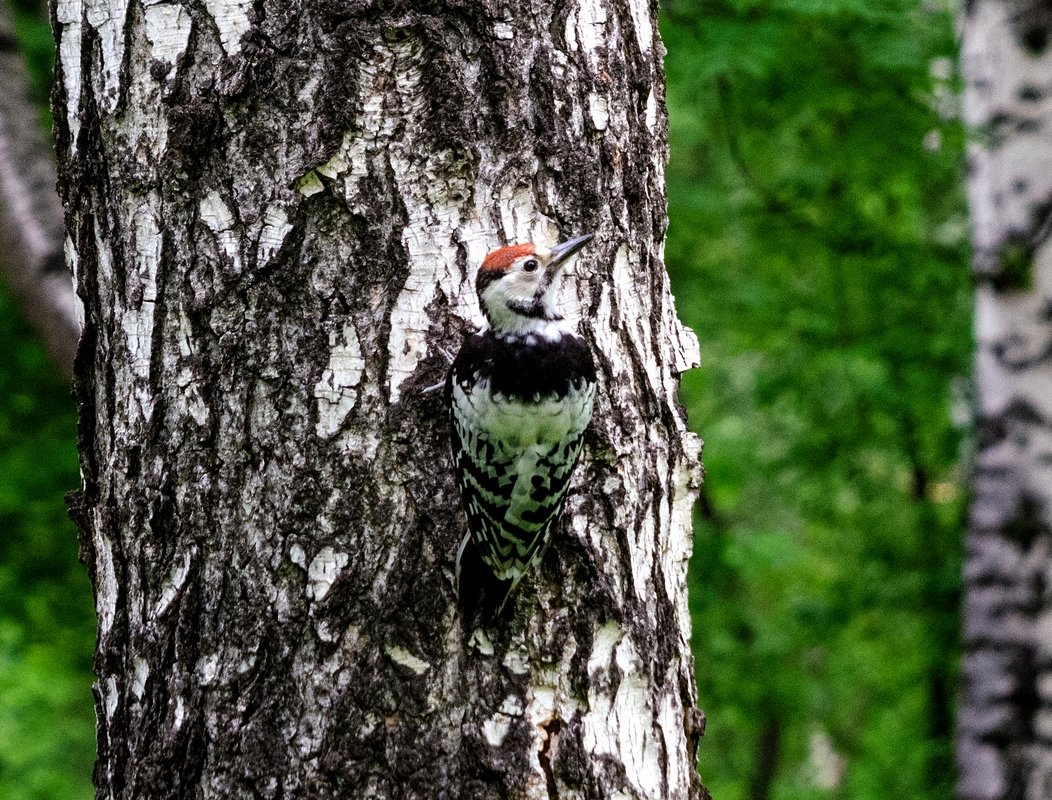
(549, 747)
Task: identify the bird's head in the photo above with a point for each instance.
(515, 284)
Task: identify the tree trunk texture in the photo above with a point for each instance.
(31, 259)
(276, 211)
(1005, 718)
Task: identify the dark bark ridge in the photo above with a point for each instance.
(276, 212)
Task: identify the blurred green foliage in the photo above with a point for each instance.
(818, 248)
(47, 623)
(38, 48)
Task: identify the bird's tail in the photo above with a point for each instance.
(481, 593)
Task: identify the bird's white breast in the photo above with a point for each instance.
(519, 424)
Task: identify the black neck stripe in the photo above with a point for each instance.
(533, 310)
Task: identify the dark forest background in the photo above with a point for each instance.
(818, 247)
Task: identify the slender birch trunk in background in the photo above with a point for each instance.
(1005, 721)
(276, 210)
(31, 259)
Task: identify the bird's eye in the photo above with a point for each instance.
(530, 265)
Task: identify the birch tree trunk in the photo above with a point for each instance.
(276, 210)
(1005, 723)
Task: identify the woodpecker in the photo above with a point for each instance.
(520, 394)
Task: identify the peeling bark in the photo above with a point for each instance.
(1005, 718)
(31, 259)
(276, 211)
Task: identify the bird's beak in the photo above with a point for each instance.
(562, 252)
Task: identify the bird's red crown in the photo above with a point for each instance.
(501, 260)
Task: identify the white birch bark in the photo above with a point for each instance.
(1005, 722)
(276, 210)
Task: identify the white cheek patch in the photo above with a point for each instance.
(522, 284)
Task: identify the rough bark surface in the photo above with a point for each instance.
(31, 259)
(276, 210)
(1005, 722)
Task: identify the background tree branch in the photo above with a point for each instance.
(31, 258)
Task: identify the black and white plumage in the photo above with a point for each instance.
(520, 394)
